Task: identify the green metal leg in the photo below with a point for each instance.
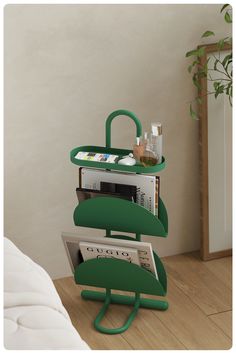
(109, 298)
(138, 237)
(102, 312)
(108, 233)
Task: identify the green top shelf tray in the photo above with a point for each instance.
(138, 168)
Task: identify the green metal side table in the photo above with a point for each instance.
(114, 214)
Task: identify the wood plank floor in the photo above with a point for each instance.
(199, 314)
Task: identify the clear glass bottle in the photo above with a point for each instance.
(138, 149)
(149, 157)
(156, 140)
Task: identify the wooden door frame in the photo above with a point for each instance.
(203, 146)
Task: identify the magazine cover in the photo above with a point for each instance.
(91, 250)
(145, 254)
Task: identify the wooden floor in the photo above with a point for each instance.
(199, 314)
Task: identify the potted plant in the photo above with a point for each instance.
(222, 66)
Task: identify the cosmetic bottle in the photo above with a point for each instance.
(149, 157)
(145, 139)
(138, 149)
(156, 140)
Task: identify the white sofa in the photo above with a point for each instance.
(34, 317)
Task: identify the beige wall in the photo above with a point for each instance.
(66, 68)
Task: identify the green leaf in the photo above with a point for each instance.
(224, 7)
(195, 62)
(192, 112)
(219, 90)
(216, 85)
(199, 100)
(228, 87)
(215, 64)
(208, 34)
(196, 81)
(191, 53)
(201, 74)
(196, 52)
(226, 59)
(228, 18)
(221, 44)
(201, 51)
(228, 63)
(205, 66)
(197, 84)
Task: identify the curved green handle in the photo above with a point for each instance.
(102, 312)
(121, 112)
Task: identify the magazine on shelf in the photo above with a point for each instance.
(147, 186)
(91, 250)
(72, 245)
(97, 157)
(85, 194)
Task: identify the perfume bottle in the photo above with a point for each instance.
(149, 157)
(156, 140)
(138, 149)
(145, 139)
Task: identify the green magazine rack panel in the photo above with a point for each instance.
(138, 168)
(122, 275)
(112, 213)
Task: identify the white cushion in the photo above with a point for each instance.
(34, 317)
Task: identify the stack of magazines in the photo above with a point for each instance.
(82, 248)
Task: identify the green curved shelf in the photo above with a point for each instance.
(122, 275)
(138, 168)
(112, 213)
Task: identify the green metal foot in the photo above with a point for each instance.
(103, 311)
(125, 300)
(109, 298)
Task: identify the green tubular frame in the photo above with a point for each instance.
(109, 298)
(101, 314)
(115, 114)
(125, 300)
(113, 214)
